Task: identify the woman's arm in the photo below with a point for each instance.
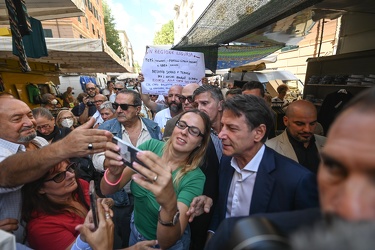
(158, 180)
(116, 175)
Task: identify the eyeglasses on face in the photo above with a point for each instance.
(194, 131)
(98, 101)
(124, 106)
(90, 89)
(118, 89)
(153, 95)
(61, 176)
(45, 126)
(183, 98)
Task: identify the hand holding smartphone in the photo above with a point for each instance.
(93, 206)
(128, 153)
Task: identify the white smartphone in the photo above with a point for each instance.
(128, 153)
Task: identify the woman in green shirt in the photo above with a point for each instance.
(164, 190)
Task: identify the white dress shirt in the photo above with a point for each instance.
(242, 186)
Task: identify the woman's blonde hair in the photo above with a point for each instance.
(59, 115)
(196, 156)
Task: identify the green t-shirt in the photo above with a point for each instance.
(145, 205)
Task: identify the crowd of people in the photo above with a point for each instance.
(209, 159)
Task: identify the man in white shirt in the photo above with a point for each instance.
(174, 107)
(118, 87)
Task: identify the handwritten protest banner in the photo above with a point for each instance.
(164, 68)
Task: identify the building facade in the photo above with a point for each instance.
(128, 49)
(91, 25)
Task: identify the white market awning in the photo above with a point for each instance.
(47, 9)
(73, 55)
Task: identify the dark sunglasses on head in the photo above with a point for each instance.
(124, 106)
(183, 98)
(194, 131)
(118, 88)
(61, 176)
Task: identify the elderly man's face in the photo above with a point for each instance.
(91, 89)
(347, 171)
(98, 100)
(17, 122)
(129, 115)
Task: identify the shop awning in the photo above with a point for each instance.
(73, 55)
(243, 31)
(47, 9)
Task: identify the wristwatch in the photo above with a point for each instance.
(171, 223)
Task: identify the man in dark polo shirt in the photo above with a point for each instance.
(298, 141)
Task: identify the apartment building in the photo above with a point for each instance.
(91, 25)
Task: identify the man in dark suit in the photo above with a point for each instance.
(254, 178)
(345, 175)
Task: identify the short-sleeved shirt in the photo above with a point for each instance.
(145, 205)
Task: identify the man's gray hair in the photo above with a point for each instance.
(107, 105)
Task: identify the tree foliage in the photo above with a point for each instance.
(137, 67)
(165, 35)
(113, 39)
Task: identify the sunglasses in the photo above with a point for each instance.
(183, 98)
(118, 88)
(194, 131)
(153, 95)
(124, 106)
(90, 89)
(61, 176)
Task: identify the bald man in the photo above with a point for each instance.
(187, 101)
(298, 141)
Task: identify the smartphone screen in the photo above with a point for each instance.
(93, 206)
(128, 153)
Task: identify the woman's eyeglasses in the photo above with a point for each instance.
(45, 126)
(183, 98)
(61, 176)
(124, 106)
(67, 118)
(194, 131)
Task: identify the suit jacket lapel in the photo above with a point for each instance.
(225, 178)
(264, 183)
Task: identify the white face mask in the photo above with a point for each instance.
(67, 123)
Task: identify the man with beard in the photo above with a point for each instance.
(187, 101)
(22, 158)
(174, 107)
(298, 141)
(87, 108)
